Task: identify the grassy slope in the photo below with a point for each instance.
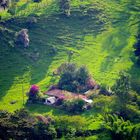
(105, 53)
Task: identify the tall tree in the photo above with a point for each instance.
(122, 88)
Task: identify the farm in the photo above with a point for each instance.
(74, 59)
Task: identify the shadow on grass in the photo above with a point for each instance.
(114, 43)
(44, 109)
(55, 31)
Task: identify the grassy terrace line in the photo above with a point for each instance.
(102, 41)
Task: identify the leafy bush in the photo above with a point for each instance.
(69, 126)
(74, 106)
(138, 100)
(104, 103)
(132, 113)
(118, 128)
(34, 89)
(33, 93)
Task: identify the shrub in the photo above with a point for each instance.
(31, 22)
(138, 100)
(118, 128)
(34, 89)
(69, 126)
(74, 106)
(104, 103)
(132, 113)
(65, 67)
(37, 0)
(33, 93)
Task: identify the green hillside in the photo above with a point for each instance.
(103, 41)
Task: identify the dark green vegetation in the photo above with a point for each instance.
(22, 125)
(74, 79)
(103, 35)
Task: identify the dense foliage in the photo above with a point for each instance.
(122, 89)
(74, 106)
(74, 79)
(120, 129)
(22, 125)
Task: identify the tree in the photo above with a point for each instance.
(65, 7)
(82, 75)
(122, 89)
(64, 67)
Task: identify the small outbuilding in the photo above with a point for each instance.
(50, 101)
(89, 101)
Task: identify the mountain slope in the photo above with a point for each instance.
(101, 38)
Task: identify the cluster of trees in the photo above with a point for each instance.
(74, 79)
(22, 125)
(127, 103)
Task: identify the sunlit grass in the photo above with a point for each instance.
(105, 53)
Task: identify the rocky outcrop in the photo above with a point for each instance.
(22, 38)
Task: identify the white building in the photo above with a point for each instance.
(50, 101)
